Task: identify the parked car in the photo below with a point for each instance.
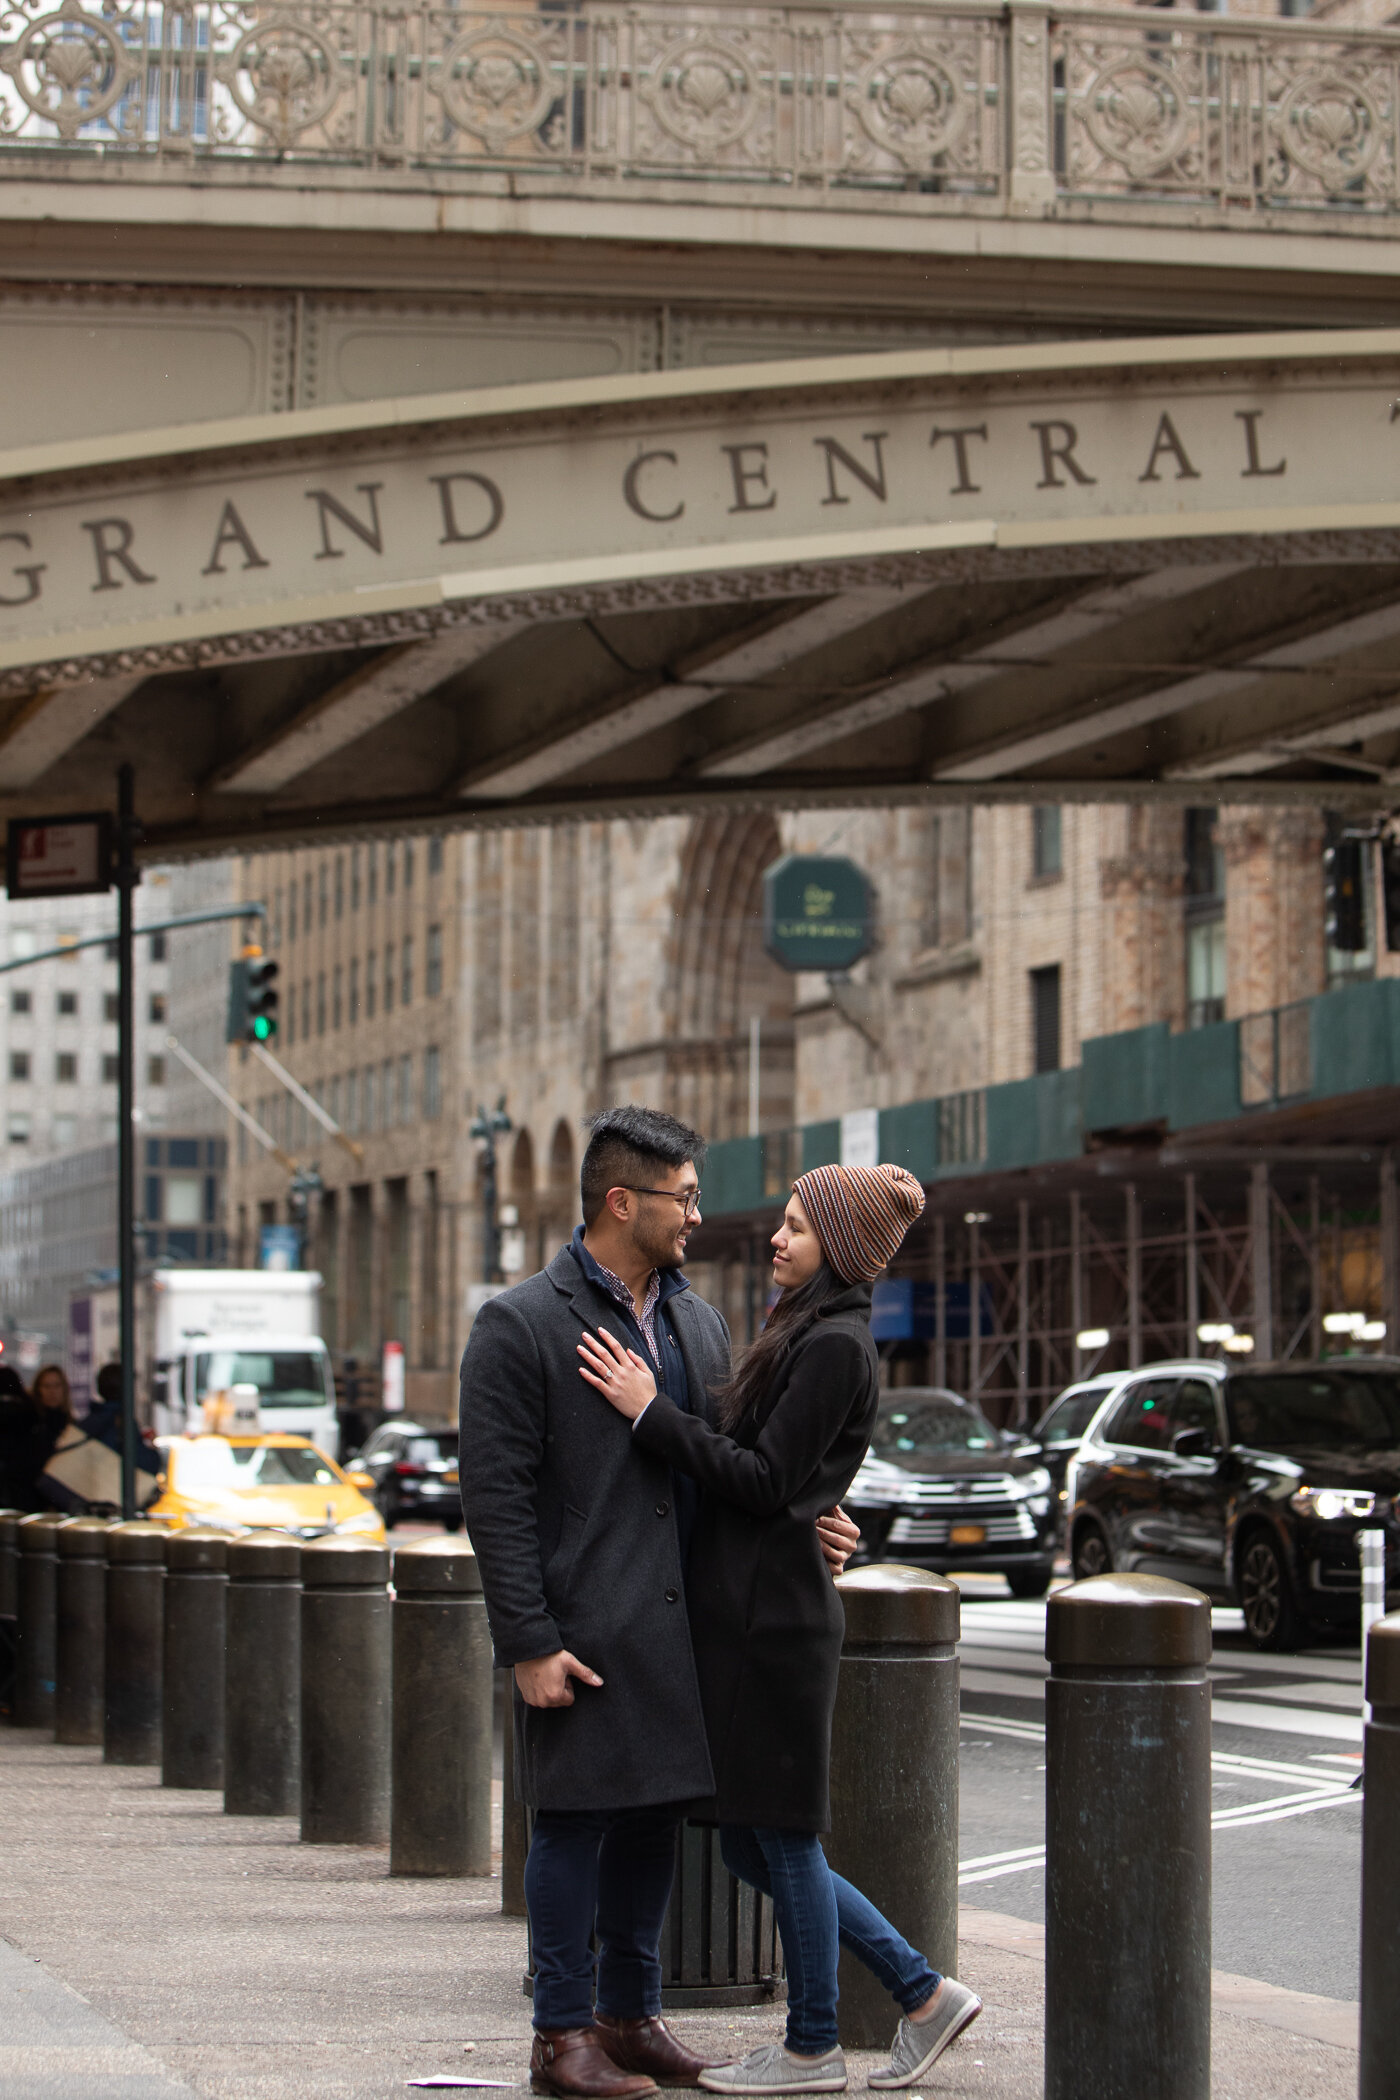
(1250, 1485)
(276, 1483)
(1056, 1436)
(941, 1488)
(412, 1471)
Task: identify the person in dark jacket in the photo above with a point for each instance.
(19, 1458)
(582, 1539)
(767, 1624)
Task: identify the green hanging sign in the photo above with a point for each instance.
(818, 912)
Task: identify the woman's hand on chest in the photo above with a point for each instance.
(624, 1378)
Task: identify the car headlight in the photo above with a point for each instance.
(367, 1521)
(1033, 1484)
(1329, 1503)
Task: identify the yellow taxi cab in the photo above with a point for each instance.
(266, 1482)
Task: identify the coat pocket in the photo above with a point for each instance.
(560, 1565)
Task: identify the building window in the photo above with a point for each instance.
(320, 1002)
(336, 980)
(20, 1003)
(408, 864)
(389, 979)
(306, 902)
(65, 1132)
(17, 1127)
(323, 888)
(1045, 1018)
(19, 1064)
(406, 971)
(1205, 919)
(386, 1093)
(305, 1005)
(351, 1106)
(372, 863)
(435, 854)
(390, 860)
(275, 933)
(65, 1068)
(367, 1098)
(111, 1007)
(291, 1015)
(405, 1089)
(155, 1071)
(111, 1070)
(67, 1005)
(947, 917)
(354, 878)
(109, 953)
(371, 986)
(23, 942)
(1047, 852)
(352, 1010)
(432, 1083)
(340, 885)
(432, 981)
(157, 1006)
(157, 947)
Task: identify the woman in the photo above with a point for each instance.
(767, 1624)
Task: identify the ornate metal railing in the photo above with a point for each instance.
(1018, 106)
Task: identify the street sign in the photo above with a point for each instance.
(58, 856)
(818, 912)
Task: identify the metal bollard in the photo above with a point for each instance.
(442, 1712)
(894, 1774)
(192, 1722)
(37, 1620)
(262, 1677)
(1127, 1841)
(1380, 1891)
(346, 1664)
(80, 1630)
(132, 1694)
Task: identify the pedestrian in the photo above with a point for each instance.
(19, 1468)
(582, 1538)
(767, 1624)
(53, 1404)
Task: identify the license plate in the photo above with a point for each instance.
(451, 1478)
(968, 1535)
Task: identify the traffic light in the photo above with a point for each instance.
(252, 999)
(1343, 877)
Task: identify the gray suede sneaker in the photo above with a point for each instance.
(770, 2069)
(920, 2043)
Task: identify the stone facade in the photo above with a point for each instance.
(554, 970)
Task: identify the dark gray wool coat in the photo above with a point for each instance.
(765, 1616)
(575, 1533)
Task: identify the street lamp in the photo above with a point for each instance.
(488, 1125)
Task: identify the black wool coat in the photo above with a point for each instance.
(573, 1524)
(765, 1616)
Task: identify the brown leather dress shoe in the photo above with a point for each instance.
(649, 2046)
(572, 2063)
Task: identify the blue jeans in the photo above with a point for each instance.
(603, 1872)
(818, 1913)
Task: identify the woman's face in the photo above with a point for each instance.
(49, 1390)
(797, 1252)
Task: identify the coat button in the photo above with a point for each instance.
(663, 1509)
(671, 1596)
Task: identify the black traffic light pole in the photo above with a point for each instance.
(127, 878)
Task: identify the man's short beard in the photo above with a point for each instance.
(657, 1245)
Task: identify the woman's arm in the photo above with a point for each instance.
(828, 1377)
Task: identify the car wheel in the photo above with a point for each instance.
(1266, 1596)
(1092, 1554)
(1028, 1582)
(452, 1523)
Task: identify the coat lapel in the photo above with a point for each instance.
(700, 1373)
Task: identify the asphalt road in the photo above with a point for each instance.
(1286, 1743)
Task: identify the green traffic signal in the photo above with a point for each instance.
(252, 999)
(263, 1028)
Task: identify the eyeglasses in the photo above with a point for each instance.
(689, 1199)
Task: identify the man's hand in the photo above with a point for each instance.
(544, 1681)
(839, 1538)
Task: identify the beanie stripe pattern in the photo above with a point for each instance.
(861, 1215)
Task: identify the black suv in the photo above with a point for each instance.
(1250, 1485)
(941, 1488)
(414, 1473)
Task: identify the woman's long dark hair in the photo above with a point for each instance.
(795, 1312)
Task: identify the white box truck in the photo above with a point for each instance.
(212, 1329)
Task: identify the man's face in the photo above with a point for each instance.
(663, 1218)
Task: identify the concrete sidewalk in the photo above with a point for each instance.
(165, 1945)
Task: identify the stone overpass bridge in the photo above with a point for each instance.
(427, 415)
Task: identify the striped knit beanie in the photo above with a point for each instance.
(861, 1215)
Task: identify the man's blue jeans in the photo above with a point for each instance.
(818, 1913)
(605, 1873)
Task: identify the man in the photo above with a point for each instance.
(582, 1539)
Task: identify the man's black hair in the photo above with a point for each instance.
(629, 1147)
(109, 1384)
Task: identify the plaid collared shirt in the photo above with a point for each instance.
(646, 1319)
